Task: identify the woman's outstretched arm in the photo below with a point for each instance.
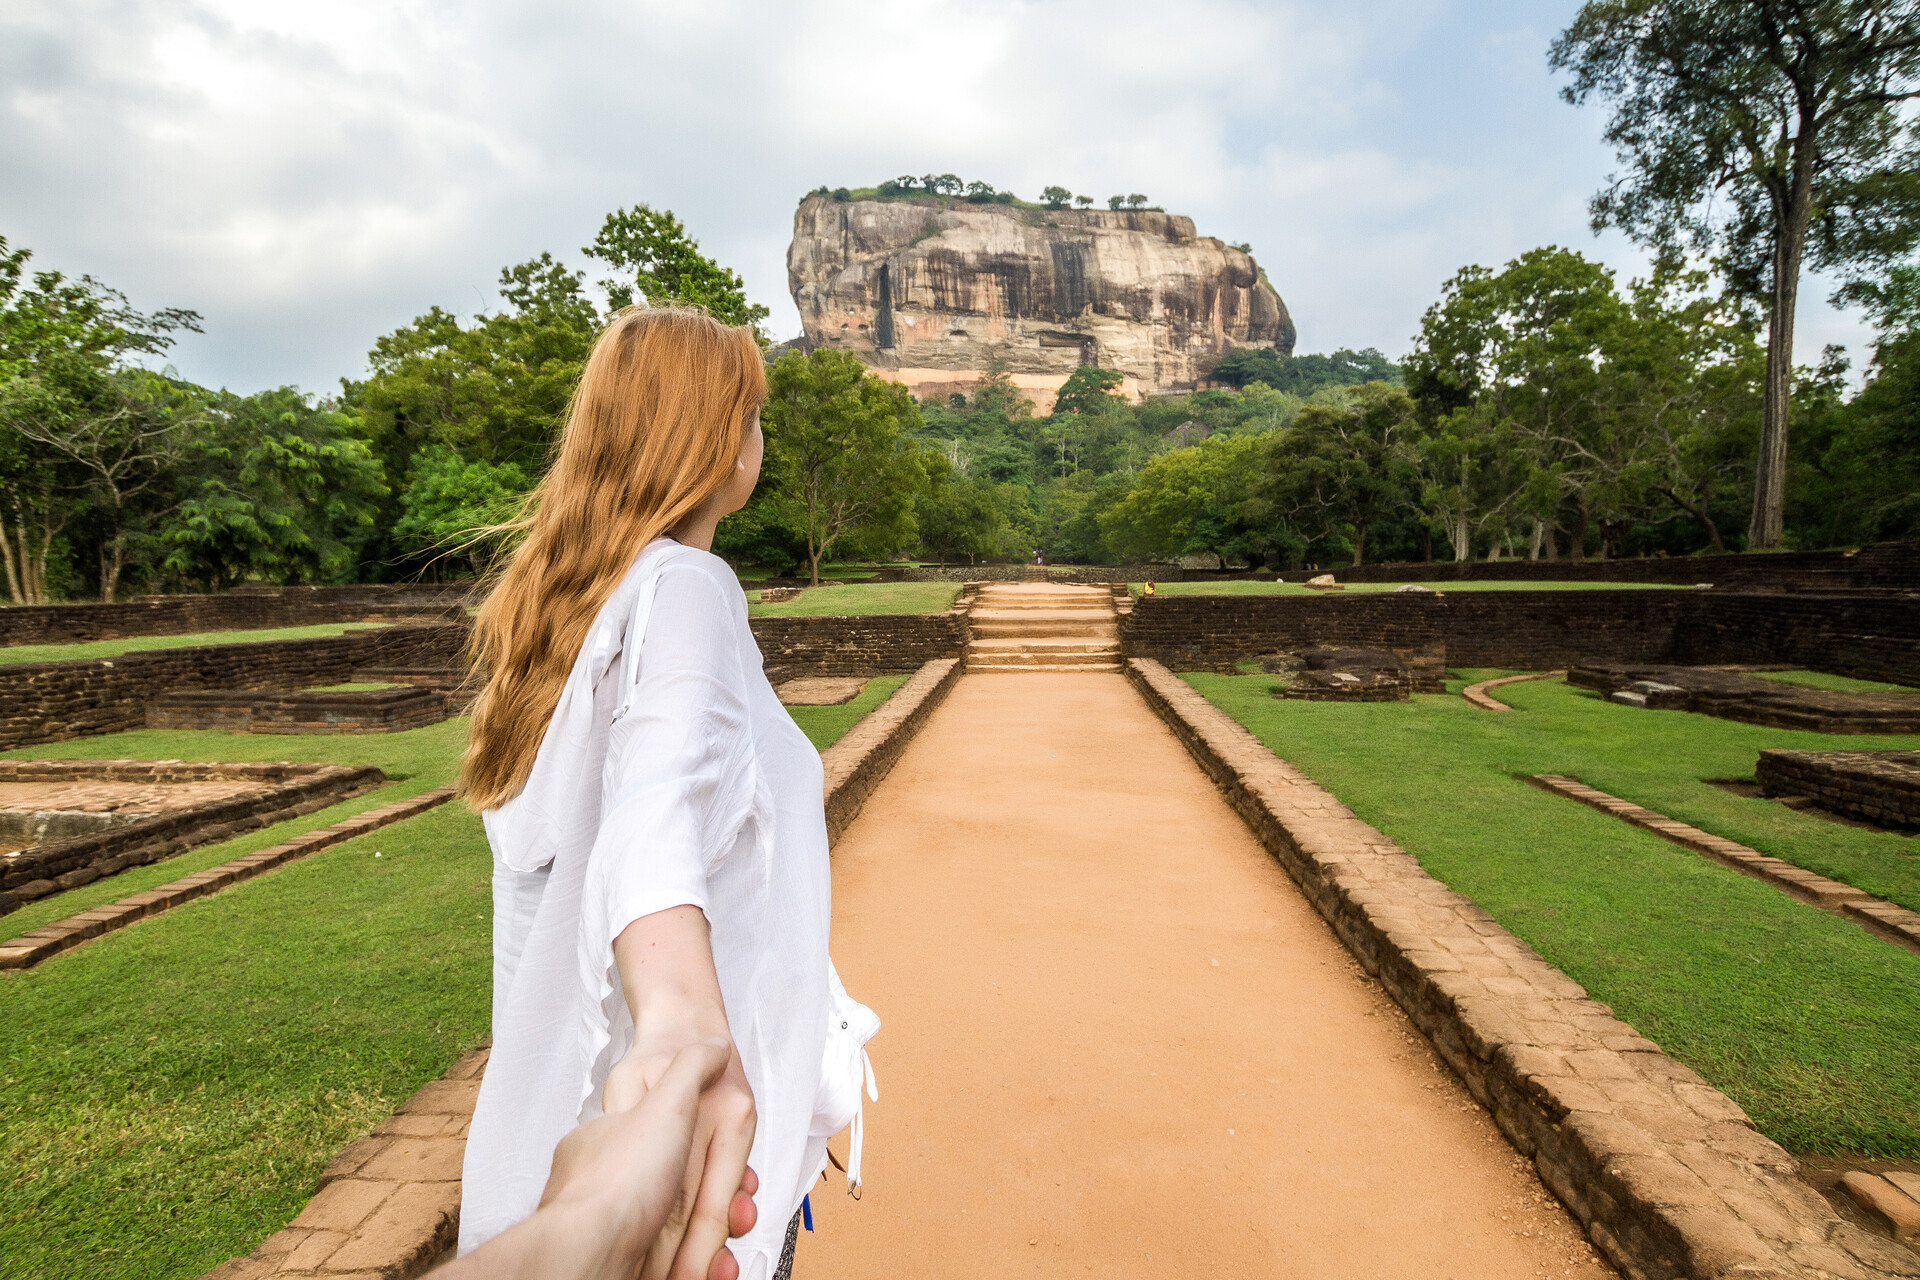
(665, 961)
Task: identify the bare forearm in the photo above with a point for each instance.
(665, 962)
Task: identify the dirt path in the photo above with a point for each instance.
(1118, 1042)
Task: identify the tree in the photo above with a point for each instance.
(1198, 500)
(1345, 466)
(667, 267)
(835, 443)
(1136, 201)
(1115, 202)
(1085, 202)
(979, 192)
(1089, 390)
(956, 514)
(452, 503)
(1771, 131)
(947, 184)
(1055, 197)
(272, 487)
(77, 415)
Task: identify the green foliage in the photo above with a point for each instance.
(838, 452)
(1343, 469)
(1194, 501)
(1089, 390)
(1304, 374)
(453, 504)
(273, 487)
(1055, 197)
(1768, 133)
(662, 265)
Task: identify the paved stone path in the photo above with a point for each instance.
(1118, 1041)
(1481, 695)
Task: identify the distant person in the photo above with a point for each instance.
(660, 875)
(1149, 587)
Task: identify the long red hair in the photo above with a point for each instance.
(654, 430)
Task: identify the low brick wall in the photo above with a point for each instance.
(1666, 1173)
(55, 701)
(1882, 787)
(861, 645)
(305, 712)
(287, 791)
(250, 609)
(1885, 566)
(1876, 637)
(863, 756)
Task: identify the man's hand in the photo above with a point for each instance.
(615, 1183)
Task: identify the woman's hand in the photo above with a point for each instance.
(665, 961)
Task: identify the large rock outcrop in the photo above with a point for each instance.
(928, 290)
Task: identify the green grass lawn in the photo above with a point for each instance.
(114, 648)
(1839, 684)
(824, 725)
(1805, 1019)
(864, 598)
(1248, 587)
(170, 1093)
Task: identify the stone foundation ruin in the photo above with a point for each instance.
(1359, 674)
(305, 711)
(65, 823)
(1732, 693)
(1880, 787)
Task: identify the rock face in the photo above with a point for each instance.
(929, 290)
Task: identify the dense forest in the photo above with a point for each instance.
(1544, 410)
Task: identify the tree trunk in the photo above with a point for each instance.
(113, 555)
(1359, 541)
(1577, 536)
(1768, 526)
(14, 592)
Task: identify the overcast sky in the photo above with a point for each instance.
(310, 176)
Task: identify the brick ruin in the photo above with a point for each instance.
(70, 822)
(1880, 787)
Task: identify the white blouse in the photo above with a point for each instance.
(674, 777)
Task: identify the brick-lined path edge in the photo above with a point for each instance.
(1479, 695)
(1885, 920)
(1665, 1172)
(389, 1205)
(30, 949)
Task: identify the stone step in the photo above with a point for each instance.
(1046, 644)
(1014, 631)
(1028, 615)
(1046, 668)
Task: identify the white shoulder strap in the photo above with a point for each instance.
(636, 635)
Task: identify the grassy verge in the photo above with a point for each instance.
(1838, 684)
(1807, 1021)
(866, 598)
(1247, 587)
(135, 644)
(171, 1092)
(824, 725)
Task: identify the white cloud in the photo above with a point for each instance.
(311, 175)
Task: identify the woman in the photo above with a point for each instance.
(659, 843)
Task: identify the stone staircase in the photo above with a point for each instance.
(1020, 626)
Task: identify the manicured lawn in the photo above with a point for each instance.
(862, 598)
(1247, 587)
(114, 648)
(1839, 684)
(1805, 1019)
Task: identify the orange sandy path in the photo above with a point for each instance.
(1118, 1042)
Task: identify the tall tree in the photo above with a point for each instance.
(1346, 467)
(77, 415)
(1769, 131)
(836, 441)
(662, 264)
